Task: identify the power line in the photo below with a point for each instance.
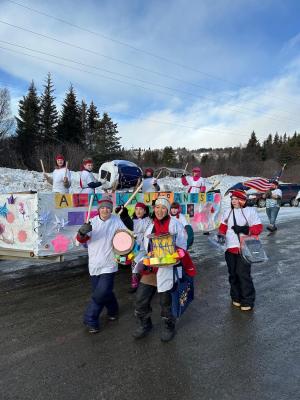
(211, 130)
(122, 43)
(219, 131)
(128, 77)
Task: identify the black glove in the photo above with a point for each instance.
(85, 229)
(240, 229)
(118, 209)
(124, 213)
(221, 239)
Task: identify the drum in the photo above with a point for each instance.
(123, 242)
(162, 245)
(162, 251)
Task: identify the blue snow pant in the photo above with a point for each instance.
(272, 213)
(102, 296)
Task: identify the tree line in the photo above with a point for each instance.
(40, 131)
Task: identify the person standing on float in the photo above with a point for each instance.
(88, 182)
(149, 182)
(195, 183)
(61, 177)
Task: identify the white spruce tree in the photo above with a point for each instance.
(69, 126)
(107, 141)
(48, 114)
(28, 126)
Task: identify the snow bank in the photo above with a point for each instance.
(18, 180)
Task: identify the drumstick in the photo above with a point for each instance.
(159, 174)
(90, 207)
(214, 186)
(131, 197)
(43, 168)
(185, 168)
(66, 168)
(87, 216)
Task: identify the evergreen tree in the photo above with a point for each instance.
(93, 122)
(168, 156)
(28, 126)
(107, 145)
(69, 127)
(48, 114)
(84, 121)
(253, 143)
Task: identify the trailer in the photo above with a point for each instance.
(39, 225)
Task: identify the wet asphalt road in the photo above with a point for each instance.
(218, 353)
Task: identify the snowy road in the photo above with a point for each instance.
(218, 353)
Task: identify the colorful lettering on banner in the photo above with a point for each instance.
(97, 197)
(168, 195)
(210, 197)
(185, 197)
(148, 198)
(76, 217)
(202, 197)
(193, 198)
(63, 200)
(178, 198)
(121, 198)
(80, 200)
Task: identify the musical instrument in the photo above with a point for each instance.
(162, 251)
(124, 246)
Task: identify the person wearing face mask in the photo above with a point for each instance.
(176, 213)
(61, 177)
(237, 222)
(155, 279)
(88, 182)
(195, 182)
(98, 235)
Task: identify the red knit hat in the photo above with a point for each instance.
(87, 161)
(59, 157)
(240, 194)
(175, 205)
(149, 170)
(141, 205)
(196, 169)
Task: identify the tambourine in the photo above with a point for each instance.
(123, 242)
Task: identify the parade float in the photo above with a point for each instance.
(41, 224)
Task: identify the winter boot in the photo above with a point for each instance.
(143, 328)
(168, 329)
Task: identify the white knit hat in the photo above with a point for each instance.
(163, 201)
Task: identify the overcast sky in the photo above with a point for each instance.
(182, 72)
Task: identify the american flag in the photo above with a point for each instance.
(263, 184)
(260, 184)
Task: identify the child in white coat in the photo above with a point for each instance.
(61, 177)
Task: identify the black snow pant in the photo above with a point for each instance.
(241, 284)
(144, 296)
